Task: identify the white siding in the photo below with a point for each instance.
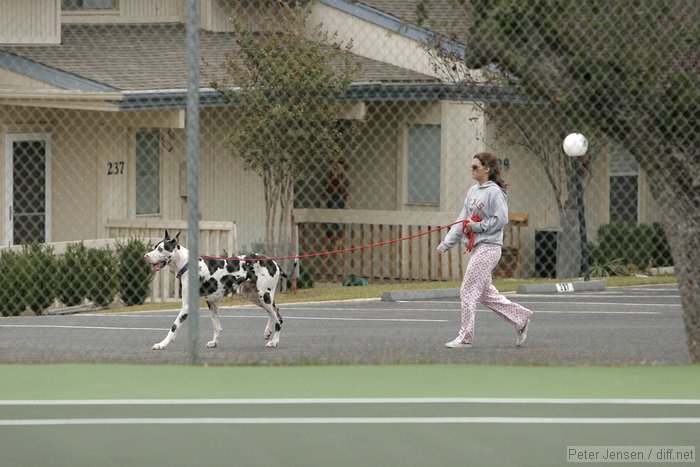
(30, 22)
(132, 11)
(395, 48)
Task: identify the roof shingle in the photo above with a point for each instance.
(135, 57)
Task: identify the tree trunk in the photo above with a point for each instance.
(284, 197)
(683, 235)
(271, 201)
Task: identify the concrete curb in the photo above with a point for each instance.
(419, 294)
(434, 294)
(564, 287)
(71, 310)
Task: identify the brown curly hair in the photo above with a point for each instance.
(491, 161)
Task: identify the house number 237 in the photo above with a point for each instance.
(115, 168)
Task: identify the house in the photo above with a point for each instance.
(92, 116)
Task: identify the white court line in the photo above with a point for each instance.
(352, 421)
(351, 400)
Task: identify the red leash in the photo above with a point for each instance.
(467, 232)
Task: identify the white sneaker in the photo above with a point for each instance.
(521, 334)
(458, 344)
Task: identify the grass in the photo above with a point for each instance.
(374, 291)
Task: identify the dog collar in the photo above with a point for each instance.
(182, 271)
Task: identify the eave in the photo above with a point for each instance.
(177, 98)
(61, 99)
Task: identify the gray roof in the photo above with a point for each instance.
(137, 57)
(444, 17)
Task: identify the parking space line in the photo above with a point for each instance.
(668, 305)
(56, 326)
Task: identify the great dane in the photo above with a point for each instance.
(256, 277)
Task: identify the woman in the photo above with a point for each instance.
(485, 214)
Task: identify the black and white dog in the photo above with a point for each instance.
(256, 278)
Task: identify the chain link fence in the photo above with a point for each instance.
(332, 125)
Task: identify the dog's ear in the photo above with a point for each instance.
(177, 238)
(167, 236)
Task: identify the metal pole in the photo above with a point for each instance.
(192, 33)
(585, 267)
(295, 252)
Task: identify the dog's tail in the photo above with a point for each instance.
(295, 267)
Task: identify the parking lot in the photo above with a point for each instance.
(632, 325)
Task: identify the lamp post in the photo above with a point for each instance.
(575, 145)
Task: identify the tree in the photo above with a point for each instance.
(629, 69)
(284, 87)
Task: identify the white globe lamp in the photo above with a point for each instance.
(575, 145)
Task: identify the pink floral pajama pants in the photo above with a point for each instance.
(477, 287)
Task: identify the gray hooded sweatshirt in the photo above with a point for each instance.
(489, 201)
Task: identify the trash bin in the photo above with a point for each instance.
(546, 243)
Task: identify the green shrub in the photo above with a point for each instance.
(11, 284)
(661, 254)
(72, 275)
(134, 274)
(102, 276)
(40, 273)
(353, 281)
(623, 248)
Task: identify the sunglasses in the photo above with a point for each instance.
(476, 167)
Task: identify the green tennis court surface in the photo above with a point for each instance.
(118, 415)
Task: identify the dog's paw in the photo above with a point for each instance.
(158, 346)
(271, 344)
(212, 344)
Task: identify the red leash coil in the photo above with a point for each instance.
(466, 231)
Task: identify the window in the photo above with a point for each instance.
(623, 198)
(423, 164)
(148, 171)
(624, 187)
(79, 5)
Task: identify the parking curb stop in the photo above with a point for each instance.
(563, 287)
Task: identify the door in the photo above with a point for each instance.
(27, 188)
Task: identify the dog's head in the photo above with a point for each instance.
(162, 254)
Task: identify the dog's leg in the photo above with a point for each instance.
(182, 316)
(216, 323)
(275, 319)
(279, 323)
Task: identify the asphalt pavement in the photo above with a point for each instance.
(617, 326)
